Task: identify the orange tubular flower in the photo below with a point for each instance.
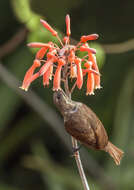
(50, 60)
(51, 72)
(46, 77)
(90, 84)
(40, 54)
(73, 71)
(38, 45)
(48, 27)
(57, 76)
(68, 31)
(79, 73)
(90, 79)
(92, 58)
(51, 55)
(88, 49)
(29, 74)
(71, 57)
(73, 67)
(45, 67)
(89, 37)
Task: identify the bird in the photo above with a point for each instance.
(83, 124)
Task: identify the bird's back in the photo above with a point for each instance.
(84, 125)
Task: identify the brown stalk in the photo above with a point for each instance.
(74, 141)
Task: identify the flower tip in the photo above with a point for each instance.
(91, 93)
(38, 45)
(42, 21)
(56, 89)
(79, 83)
(67, 16)
(29, 44)
(25, 89)
(96, 36)
(93, 50)
(68, 31)
(98, 87)
(32, 44)
(48, 27)
(89, 37)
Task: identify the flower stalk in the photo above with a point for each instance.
(74, 141)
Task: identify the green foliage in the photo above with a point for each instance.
(25, 14)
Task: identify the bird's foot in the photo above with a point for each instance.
(76, 149)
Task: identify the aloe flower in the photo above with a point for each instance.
(29, 74)
(79, 73)
(58, 62)
(57, 76)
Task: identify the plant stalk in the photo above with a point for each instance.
(74, 141)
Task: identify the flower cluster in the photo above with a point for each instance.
(51, 56)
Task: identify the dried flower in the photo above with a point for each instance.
(51, 55)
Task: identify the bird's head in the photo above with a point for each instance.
(63, 102)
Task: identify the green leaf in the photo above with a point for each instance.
(24, 14)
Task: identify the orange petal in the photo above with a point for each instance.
(90, 50)
(90, 84)
(40, 54)
(38, 45)
(79, 73)
(48, 27)
(36, 63)
(26, 85)
(51, 72)
(71, 57)
(73, 71)
(34, 76)
(88, 64)
(66, 39)
(97, 81)
(29, 74)
(68, 31)
(45, 67)
(61, 62)
(57, 76)
(46, 77)
(89, 37)
(51, 55)
(92, 58)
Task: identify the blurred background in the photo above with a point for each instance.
(35, 150)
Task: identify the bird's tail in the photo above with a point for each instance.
(114, 152)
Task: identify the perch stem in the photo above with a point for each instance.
(74, 141)
(79, 165)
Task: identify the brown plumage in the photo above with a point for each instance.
(83, 124)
